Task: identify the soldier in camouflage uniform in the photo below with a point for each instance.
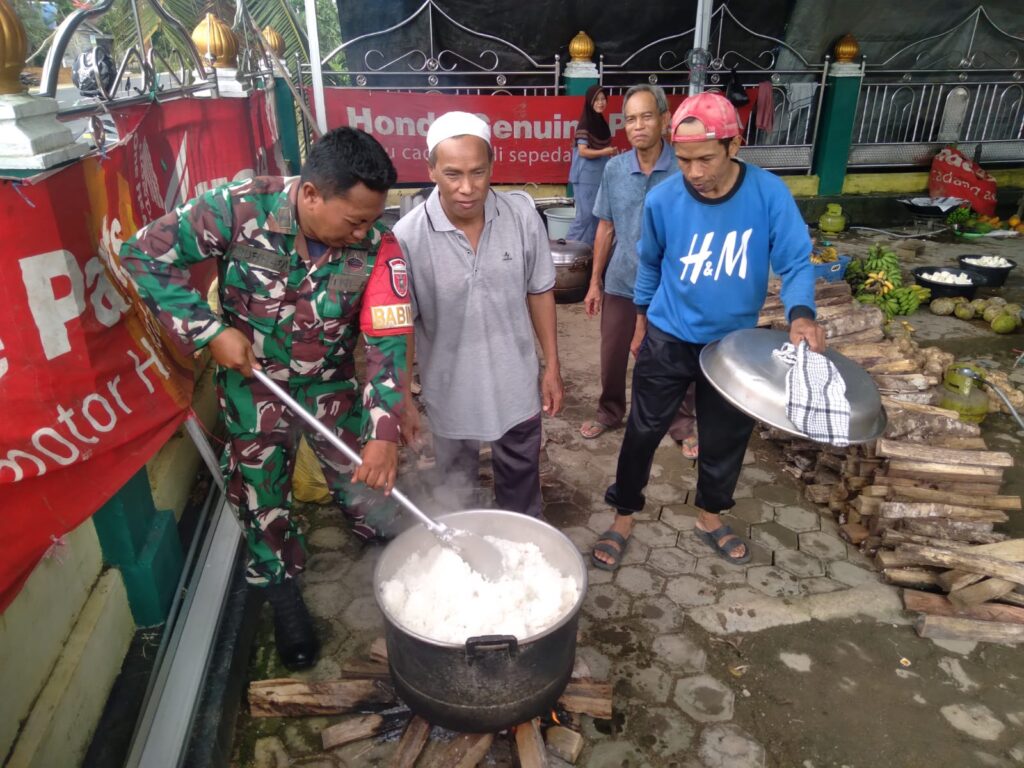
(304, 266)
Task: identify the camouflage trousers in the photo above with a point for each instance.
(264, 437)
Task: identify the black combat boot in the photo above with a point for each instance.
(294, 635)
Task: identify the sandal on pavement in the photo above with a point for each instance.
(714, 540)
(689, 447)
(591, 429)
(608, 549)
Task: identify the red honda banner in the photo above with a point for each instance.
(532, 136)
(88, 387)
(954, 175)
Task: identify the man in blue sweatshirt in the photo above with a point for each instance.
(709, 236)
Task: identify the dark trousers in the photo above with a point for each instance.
(618, 321)
(664, 370)
(515, 457)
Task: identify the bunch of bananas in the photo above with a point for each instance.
(855, 274)
(883, 259)
(910, 297)
(887, 303)
(877, 282)
(924, 295)
(903, 300)
(825, 255)
(877, 275)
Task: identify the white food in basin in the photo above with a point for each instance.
(439, 596)
(948, 278)
(990, 262)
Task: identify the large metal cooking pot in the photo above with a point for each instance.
(390, 216)
(410, 201)
(487, 683)
(574, 262)
(741, 367)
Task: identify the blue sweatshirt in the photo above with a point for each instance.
(703, 263)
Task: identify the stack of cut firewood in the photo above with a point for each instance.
(925, 499)
(845, 320)
(906, 375)
(954, 481)
(981, 582)
(930, 515)
(926, 506)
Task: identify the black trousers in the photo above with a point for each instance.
(664, 370)
(515, 458)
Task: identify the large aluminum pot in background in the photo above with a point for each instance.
(574, 263)
(390, 216)
(410, 201)
(489, 683)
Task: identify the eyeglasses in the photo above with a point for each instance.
(646, 117)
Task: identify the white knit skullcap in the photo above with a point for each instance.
(457, 124)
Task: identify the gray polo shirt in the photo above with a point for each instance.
(620, 200)
(474, 337)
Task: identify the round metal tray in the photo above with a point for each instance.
(741, 367)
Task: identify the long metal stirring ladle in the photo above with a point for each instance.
(482, 556)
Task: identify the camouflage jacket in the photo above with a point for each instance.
(302, 316)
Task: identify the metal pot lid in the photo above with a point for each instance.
(741, 367)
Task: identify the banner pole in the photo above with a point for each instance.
(315, 66)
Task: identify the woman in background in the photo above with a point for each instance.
(592, 151)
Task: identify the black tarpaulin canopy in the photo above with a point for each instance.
(540, 28)
(543, 28)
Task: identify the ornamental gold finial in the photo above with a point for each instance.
(215, 39)
(846, 49)
(274, 41)
(581, 47)
(13, 49)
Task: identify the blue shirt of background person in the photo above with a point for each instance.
(592, 149)
(623, 187)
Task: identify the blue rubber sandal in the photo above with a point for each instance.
(714, 538)
(608, 549)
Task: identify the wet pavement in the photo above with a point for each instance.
(802, 657)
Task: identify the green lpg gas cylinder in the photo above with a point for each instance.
(961, 392)
(833, 220)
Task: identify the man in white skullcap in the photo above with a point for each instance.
(481, 279)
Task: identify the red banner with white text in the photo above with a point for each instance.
(532, 136)
(89, 389)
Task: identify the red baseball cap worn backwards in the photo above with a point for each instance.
(715, 112)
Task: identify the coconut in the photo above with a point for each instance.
(992, 313)
(1004, 323)
(964, 311)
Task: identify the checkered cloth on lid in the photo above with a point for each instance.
(815, 395)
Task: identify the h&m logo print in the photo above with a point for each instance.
(698, 263)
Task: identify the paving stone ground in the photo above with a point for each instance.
(795, 659)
